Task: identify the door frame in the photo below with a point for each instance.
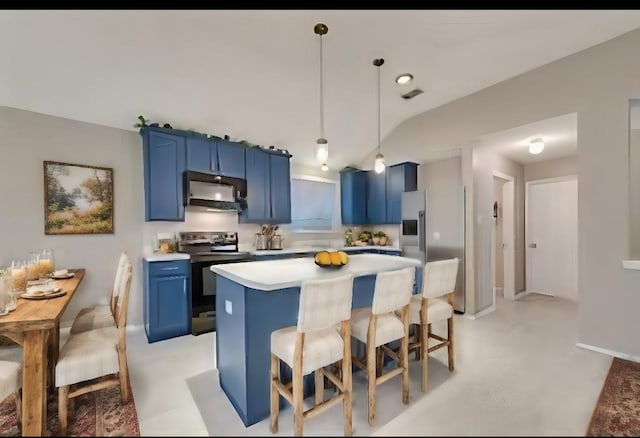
(508, 178)
(528, 184)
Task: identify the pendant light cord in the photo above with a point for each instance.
(321, 94)
(379, 108)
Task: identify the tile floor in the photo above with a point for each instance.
(518, 372)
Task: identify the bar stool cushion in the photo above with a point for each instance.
(321, 348)
(91, 318)
(389, 326)
(88, 355)
(438, 310)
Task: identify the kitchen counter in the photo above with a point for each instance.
(255, 298)
(272, 275)
(313, 250)
(162, 257)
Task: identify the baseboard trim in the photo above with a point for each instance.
(521, 294)
(65, 327)
(482, 313)
(608, 352)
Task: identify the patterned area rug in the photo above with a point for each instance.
(617, 412)
(97, 413)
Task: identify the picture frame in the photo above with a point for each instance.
(78, 199)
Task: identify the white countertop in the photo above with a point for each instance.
(162, 257)
(279, 274)
(311, 249)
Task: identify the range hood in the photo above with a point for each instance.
(214, 192)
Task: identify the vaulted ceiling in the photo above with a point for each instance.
(254, 75)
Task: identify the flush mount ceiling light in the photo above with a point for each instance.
(404, 78)
(536, 146)
(322, 145)
(379, 165)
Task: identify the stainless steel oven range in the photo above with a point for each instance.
(207, 248)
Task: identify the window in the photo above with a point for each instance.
(313, 203)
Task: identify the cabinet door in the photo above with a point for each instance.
(258, 187)
(169, 307)
(400, 178)
(376, 198)
(202, 155)
(280, 189)
(231, 159)
(164, 164)
(353, 197)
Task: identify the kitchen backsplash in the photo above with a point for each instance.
(210, 221)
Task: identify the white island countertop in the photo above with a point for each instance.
(280, 274)
(311, 249)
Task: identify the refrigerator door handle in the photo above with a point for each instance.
(421, 231)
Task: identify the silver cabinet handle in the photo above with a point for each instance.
(174, 268)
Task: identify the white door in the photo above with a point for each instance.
(508, 241)
(552, 238)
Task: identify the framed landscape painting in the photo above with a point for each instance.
(78, 199)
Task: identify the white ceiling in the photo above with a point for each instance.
(560, 136)
(254, 74)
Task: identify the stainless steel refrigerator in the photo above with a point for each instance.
(419, 241)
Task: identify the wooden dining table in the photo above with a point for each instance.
(35, 324)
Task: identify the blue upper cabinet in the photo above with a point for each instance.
(353, 197)
(376, 198)
(280, 189)
(164, 164)
(231, 159)
(268, 188)
(202, 155)
(400, 178)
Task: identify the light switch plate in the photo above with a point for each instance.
(436, 235)
(228, 307)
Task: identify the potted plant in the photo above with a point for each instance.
(364, 237)
(381, 238)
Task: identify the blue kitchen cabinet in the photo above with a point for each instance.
(268, 188)
(376, 198)
(400, 178)
(164, 163)
(202, 155)
(353, 197)
(230, 159)
(166, 299)
(280, 189)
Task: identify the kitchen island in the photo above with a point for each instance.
(255, 298)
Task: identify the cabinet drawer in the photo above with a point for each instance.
(172, 267)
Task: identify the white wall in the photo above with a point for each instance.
(551, 168)
(26, 140)
(498, 256)
(634, 192)
(597, 84)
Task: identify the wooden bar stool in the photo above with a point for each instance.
(311, 346)
(439, 279)
(378, 325)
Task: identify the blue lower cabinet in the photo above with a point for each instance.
(167, 299)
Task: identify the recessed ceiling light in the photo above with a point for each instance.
(404, 78)
(324, 167)
(536, 146)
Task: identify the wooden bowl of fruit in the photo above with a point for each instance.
(331, 259)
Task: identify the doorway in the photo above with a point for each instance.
(503, 236)
(551, 232)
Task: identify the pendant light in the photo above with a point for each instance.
(379, 165)
(322, 145)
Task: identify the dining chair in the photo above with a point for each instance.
(313, 345)
(90, 318)
(90, 355)
(379, 325)
(439, 279)
(11, 376)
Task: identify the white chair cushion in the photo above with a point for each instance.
(10, 376)
(437, 310)
(91, 318)
(321, 348)
(389, 327)
(88, 355)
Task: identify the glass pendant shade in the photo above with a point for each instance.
(536, 146)
(324, 167)
(379, 165)
(322, 150)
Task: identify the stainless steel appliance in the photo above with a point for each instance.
(214, 192)
(416, 241)
(207, 248)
